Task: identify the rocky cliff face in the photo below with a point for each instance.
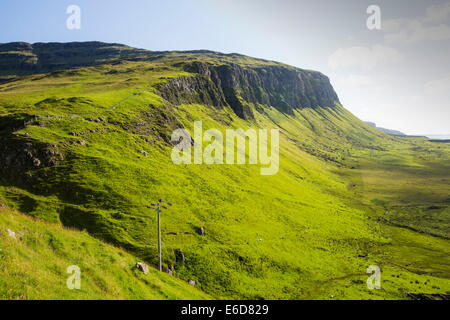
(285, 88)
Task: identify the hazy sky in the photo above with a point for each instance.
(398, 76)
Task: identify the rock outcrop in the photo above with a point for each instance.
(283, 87)
(142, 267)
(21, 153)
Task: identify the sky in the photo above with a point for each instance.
(397, 75)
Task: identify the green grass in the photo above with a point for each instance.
(36, 267)
(324, 207)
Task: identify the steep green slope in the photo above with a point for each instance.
(35, 267)
(72, 153)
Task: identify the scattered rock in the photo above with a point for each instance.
(365, 255)
(11, 233)
(95, 120)
(142, 267)
(79, 142)
(192, 283)
(169, 270)
(179, 255)
(201, 231)
(144, 153)
(76, 134)
(36, 162)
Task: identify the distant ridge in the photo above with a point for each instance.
(387, 131)
(438, 136)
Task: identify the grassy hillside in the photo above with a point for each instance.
(36, 266)
(72, 155)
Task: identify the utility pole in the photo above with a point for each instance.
(158, 206)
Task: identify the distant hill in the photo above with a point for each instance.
(438, 136)
(387, 131)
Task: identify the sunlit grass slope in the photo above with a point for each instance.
(310, 231)
(36, 266)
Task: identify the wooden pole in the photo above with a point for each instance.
(159, 239)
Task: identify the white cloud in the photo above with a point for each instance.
(437, 13)
(428, 27)
(438, 87)
(393, 102)
(411, 96)
(362, 57)
(354, 80)
(414, 32)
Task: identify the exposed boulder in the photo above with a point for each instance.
(144, 153)
(201, 231)
(142, 267)
(79, 142)
(179, 255)
(169, 270)
(11, 233)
